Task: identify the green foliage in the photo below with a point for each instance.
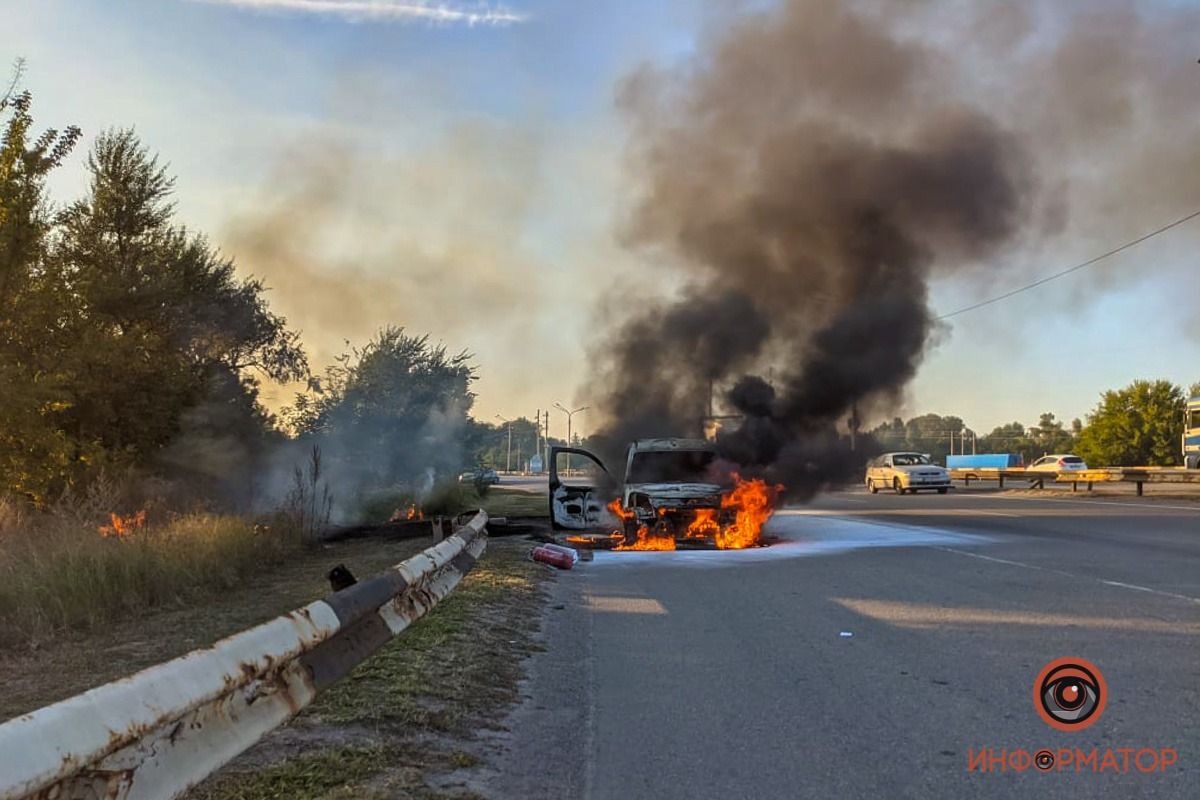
(124, 339)
(34, 452)
(489, 444)
(390, 412)
(1139, 425)
(929, 433)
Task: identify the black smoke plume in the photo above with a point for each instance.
(805, 175)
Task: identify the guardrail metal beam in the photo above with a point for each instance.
(159, 732)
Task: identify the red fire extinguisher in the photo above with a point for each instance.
(551, 557)
(558, 548)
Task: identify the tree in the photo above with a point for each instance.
(124, 339)
(157, 322)
(391, 411)
(487, 444)
(34, 453)
(1139, 425)
(1049, 436)
(928, 433)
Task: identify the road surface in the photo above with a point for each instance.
(870, 653)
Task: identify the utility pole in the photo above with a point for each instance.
(569, 413)
(508, 457)
(854, 424)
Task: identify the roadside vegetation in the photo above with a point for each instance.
(138, 467)
(1138, 425)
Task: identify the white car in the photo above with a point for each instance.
(1057, 463)
(906, 472)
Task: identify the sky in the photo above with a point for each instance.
(459, 169)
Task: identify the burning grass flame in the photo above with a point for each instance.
(751, 503)
(411, 514)
(121, 527)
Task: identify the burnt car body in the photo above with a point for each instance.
(666, 482)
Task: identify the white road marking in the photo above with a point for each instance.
(1070, 574)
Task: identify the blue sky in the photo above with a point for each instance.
(482, 184)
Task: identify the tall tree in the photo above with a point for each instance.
(159, 321)
(1139, 425)
(34, 454)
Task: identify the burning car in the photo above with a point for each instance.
(672, 495)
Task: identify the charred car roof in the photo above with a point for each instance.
(667, 445)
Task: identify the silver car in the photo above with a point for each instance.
(906, 472)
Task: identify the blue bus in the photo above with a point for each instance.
(1191, 434)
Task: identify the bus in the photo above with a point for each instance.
(1191, 434)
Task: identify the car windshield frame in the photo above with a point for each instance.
(671, 466)
(910, 460)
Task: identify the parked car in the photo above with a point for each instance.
(906, 472)
(1057, 463)
(486, 476)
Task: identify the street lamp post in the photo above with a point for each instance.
(569, 414)
(508, 456)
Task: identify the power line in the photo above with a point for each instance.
(1075, 268)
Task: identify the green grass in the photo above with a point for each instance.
(324, 775)
(58, 573)
(501, 502)
(420, 700)
(456, 661)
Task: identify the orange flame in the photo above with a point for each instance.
(650, 539)
(751, 502)
(619, 510)
(412, 513)
(647, 539)
(121, 527)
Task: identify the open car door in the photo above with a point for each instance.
(574, 506)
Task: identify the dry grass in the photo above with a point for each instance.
(57, 570)
(450, 499)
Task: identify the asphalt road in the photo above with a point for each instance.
(874, 648)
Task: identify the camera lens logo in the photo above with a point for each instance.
(1070, 694)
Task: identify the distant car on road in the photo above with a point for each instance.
(486, 476)
(906, 472)
(1062, 462)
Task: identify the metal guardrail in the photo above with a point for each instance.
(1138, 475)
(159, 732)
